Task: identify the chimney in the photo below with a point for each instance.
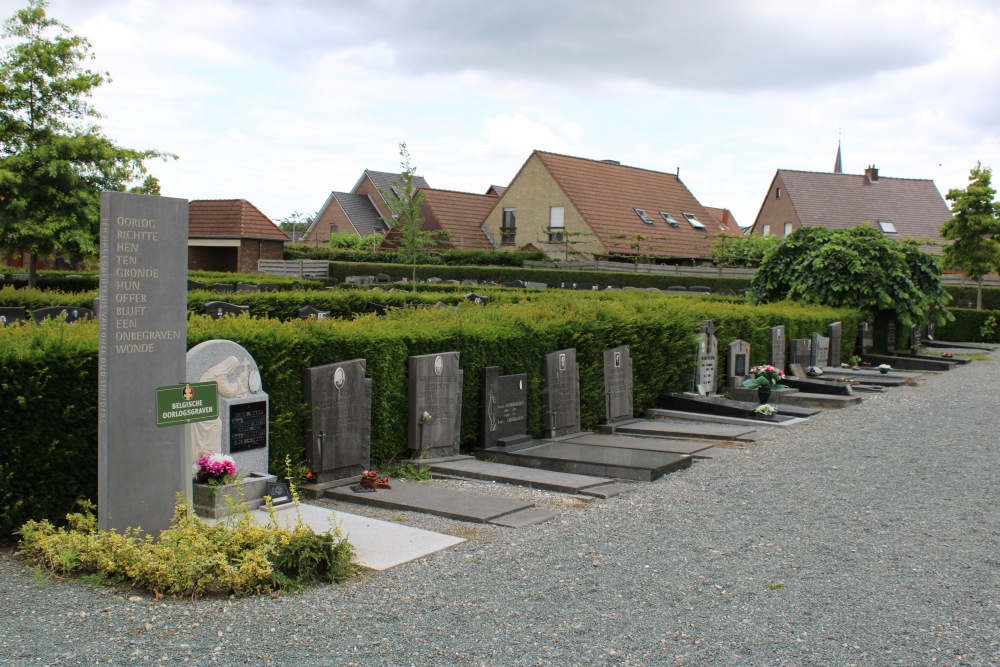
(725, 217)
(872, 173)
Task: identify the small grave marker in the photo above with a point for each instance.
(778, 346)
(561, 401)
(219, 309)
(339, 436)
(737, 363)
(504, 404)
(706, 372)
(435, 405)
(617, 384)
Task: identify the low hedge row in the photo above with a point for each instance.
(445, 257)
(970, 325)
(991, 295)
(48, 446)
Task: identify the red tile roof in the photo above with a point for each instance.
(461, 214)
(914, 206)
(606, 195)
(230, 218)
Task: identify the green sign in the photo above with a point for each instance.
(187, 403)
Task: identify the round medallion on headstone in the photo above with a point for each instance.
(338, 378)
(438, 365)
(254, 382)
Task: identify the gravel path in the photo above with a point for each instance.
(867, 536)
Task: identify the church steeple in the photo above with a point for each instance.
(838, 167)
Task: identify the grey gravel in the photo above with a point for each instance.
(866, 536)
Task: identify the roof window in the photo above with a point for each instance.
(887, 227)
(695, 222)
(670, 221)
(643, 216)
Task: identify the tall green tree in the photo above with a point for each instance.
(857, 268)
(405, 203)
(974, 229)
(54, 159)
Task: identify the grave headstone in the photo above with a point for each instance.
(677, 288)
(11, 315)
(725, 291)
(219, 309)
(513, 283)
(434, 280)
(617, 384)
(587, 286)
(246, 287)
(305, 312)
(96, 306)
(778, 346)
(143, 338)
(567, 285)
(800, 351)
(706, 372)
(737, 363)
(834, 332)
(929, 332)
(866, 337)
(383, 278)
(435, 405)
(222, 287)
(452, 282)
(241, 431)
(504, 404)
(476, 298)
(195, 285)
(915, 338)
(339, 397)
(470, 281)
(561, 400)
(268, 287)
(535, 285)
(890, 338)
(377, 308)
(69, 313)
(819, 354)
(20, 277)
(701, 289)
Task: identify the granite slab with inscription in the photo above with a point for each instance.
(338, 438)
(834, 331)
(220, 309)
(778, 346)
(435, 405)
(561, 400)
(617, 384)
(800, 352)
(504, 405)
(706, 371)
(819, 354)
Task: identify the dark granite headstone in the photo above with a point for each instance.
(69, 313)
(617, 384)
(476, 298)
(819, 354)
(377, 308)
(339, 397)
(219, 309)
(915, 338)
(435, 399)
(797, 371)
(778, 346)
(561, 401)
(587, 286)
(504, 405)
(222, 287)
(383, 278)
(706, 371)
(834, 333)
(514, 283)
(677, 288)
(737, 363)
(929, 332)
(194, 285)
(567, 285)
(247, 426)
(866, 337)
(530, 284)
(701, 289)
(800, 351)
(434, 280)
(305, 312)
(890, 338)
(10, 315)
(268, 287)
(246, 287)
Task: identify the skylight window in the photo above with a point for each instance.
(887, 227)
(695, 222)
(643, 216)
(669, 219)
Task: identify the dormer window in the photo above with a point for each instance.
(670, 221)
(643, 216)
(887, 227)
(695, 222)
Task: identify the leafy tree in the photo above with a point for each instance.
(857, 268)
(641, 247)
(405, 203)
(742, 251)
(974, 228)
(354, 241)
(54, 161)
(565, 242)
(296, 222)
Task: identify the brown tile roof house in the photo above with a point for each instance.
(571, 205)
(459, 214)
(902, 208)
(231, 235)
(722, 216)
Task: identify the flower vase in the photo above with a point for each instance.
(884, 371)
(763, 394)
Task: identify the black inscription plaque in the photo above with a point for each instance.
(247, 426)
(504, 407)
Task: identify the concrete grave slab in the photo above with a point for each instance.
(519, 475)
(617, 462)
(706, 431)
(647, 444)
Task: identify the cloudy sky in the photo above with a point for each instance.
(283, 101)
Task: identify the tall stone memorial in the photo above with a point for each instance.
(866, 338)
(143, 338)
(835, 334)
(737, 363)
(504, 401)
(338, 442)
(706, 370)
(819, 353)
(800, 352)
(561, 401)
(778, 347)
(435, 398)
(890, 338)
(617, 384)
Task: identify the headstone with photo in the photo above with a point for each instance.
(561, 400)
(834, 331)
(476, 298)
(866, 338)
(778, 347)
(800, 351)
(706, 371)
(737, 363)
(377, 308)
(307, 312)
(339, 397)
(504, 405)
(246, 287)
(219, 309)
(618, 384)
(223, 287)
(11, 315)
(68, 313)
(819, 354)
(435, 405)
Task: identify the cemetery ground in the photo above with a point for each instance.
(863, 536)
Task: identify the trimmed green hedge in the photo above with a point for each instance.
(991, 295)
(48, 447)
(445, 257)
(972, 326)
